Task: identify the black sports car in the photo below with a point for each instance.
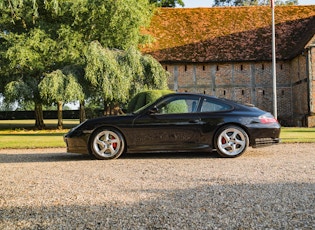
(177, 122)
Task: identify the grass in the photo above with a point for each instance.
(297, 135)
(29, 124)
(20, 134)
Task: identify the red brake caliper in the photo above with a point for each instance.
(115, 143)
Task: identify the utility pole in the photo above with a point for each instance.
(274, 71)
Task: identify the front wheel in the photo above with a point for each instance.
(107, 144)
(231, 141)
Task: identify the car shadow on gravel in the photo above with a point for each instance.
(59, 157)
(41, 157)
(169, 155)
(214, 205)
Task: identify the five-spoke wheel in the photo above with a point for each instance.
(107, 144)
(231, 141)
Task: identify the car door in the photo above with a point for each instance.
(174, 125)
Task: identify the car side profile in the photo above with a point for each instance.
(179, 122)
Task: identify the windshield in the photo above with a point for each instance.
(142, 108)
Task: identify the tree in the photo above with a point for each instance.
(253, 2)
(44, 36)
(117, 75)
(37, 42)
(57, 87)
(113, 23)
(167, 3)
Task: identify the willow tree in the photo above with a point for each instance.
(56, 87)
(44, 36)
(39, 40)
(118, 75)
(106, 76)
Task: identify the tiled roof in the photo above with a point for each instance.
(229, 33)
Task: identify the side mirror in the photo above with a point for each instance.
(154, 110)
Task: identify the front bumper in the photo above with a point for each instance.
(76, 144)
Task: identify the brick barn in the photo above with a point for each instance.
(227, 52)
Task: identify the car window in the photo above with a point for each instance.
(209, 105)
(179, 105)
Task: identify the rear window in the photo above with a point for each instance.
(209, 105)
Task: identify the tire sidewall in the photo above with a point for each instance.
(100, 157)
(216, 140)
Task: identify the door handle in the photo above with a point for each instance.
(194, 121)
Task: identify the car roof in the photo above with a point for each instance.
(228, 101)
(191, 94)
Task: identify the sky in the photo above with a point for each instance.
(208, 3)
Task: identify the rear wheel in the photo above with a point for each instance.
(231, 141)
(107, 144)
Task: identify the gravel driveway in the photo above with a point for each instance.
(272, 187)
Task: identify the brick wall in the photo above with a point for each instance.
(311, 70)
(299, 81)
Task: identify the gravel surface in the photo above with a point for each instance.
(266, 188)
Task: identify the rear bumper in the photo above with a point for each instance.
(264, 135)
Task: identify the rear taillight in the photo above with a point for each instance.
(267, 118)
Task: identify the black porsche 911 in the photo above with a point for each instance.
(177, 122)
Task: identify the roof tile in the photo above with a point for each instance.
(229, 33)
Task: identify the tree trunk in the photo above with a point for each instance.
(82, 111)
(39, 117)
(59, 111)
(107, 109)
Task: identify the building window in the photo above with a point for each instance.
(217, 68)
(262, 66)
(243, 92)
(185, 68)
(166, 67)
(203, 68)
(241, 67)
(281, 66)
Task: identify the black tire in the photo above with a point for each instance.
(106, 144)
(231, 141)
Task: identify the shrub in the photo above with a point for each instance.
(177, 107)
(146, 97)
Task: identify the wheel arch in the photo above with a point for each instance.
(102, 127)
(233, 124)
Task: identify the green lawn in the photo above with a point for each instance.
(295, 135)
(29, 124)
(19, 134)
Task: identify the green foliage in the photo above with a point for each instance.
(114, 23)
(118, 75)
(31, 52)
(16, 91)
(40, 38)
(105, 74)
(155, 77)
(146, 97)
(253, 2)
(56, 86)
(167, 3)
(177, 107)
